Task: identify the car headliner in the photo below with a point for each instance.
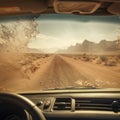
(84, 7)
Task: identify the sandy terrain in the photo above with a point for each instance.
(96, 74)
(39, 72)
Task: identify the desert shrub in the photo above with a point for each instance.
(103, 58)
(118, 56)
(93, 58)
(85, 57)
(46, 55)
(111, 63)
(75, 58)
(98, 61)
(27, 62)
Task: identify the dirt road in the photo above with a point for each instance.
(61, 71)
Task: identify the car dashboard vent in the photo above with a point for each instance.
(97, 104)
(62, 104)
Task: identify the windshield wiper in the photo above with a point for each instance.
(73, 88)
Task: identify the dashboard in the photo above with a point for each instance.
(90, 104)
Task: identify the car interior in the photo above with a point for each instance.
(71, 79)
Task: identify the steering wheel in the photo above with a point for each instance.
(24, 103)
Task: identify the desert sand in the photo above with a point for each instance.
(39, 72)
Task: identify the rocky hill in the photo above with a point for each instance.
(88, 46)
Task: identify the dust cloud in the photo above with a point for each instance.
(14, 38)
(15, 35)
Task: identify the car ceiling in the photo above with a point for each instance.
(79, 7)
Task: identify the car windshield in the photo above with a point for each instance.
(57, 51)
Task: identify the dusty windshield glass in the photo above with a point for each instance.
(55, 51)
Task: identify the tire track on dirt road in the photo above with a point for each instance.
(60, 73)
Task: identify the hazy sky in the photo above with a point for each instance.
(61, 31)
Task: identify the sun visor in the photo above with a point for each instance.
(9, 10)
(71, 6)
(23, 6)
(114, 9)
